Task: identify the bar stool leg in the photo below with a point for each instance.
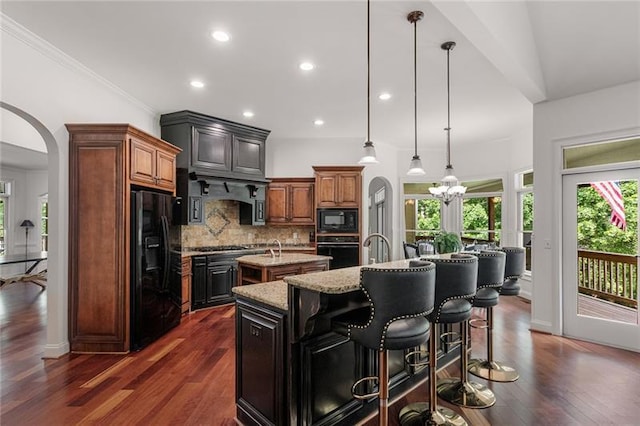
(488, 368)
(383, 386)
(421, 413)
(461, 391)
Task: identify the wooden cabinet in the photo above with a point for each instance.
(253, 274)
(338, 186)
(152, 166)
(105, 160)
(290, 201)
(261, 370)
(213, 279)
(214, 147)
(186, 285)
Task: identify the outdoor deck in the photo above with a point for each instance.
(598, 308)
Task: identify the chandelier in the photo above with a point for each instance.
(450, 187)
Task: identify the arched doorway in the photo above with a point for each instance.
(57, 318)
(380, 217)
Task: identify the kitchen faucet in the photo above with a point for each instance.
(367, 243)
(275, 240)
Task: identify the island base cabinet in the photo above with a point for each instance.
(260, 365)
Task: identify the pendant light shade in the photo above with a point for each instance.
(450, 187)
(369, 156)
(415, 167)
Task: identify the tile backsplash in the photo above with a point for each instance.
(221, 227)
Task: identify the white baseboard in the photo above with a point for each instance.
(542, 326)
(55, 350)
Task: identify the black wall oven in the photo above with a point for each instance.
(344, 250)
(332, 221)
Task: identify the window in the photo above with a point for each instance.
(524, 188)
(482, 211)
(3, 206)
(44, 223)
(5, 191)
(421, 212)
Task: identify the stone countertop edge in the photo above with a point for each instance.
(337, 281)
(262, 260)
(273, 293)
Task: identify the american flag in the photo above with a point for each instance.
(610, 191)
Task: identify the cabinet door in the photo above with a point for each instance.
(308, 268)
(277, 202)
(349, 189)
(302, 204)
(143, 162)
(220, 280)
(199, 282)
(186, 284)
(165, 170)
(248, 156)
(211, 149)
(326, 189)
(260, 365)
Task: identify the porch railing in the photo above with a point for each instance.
(609, 276)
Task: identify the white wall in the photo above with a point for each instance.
(54, 89)
(600, 115)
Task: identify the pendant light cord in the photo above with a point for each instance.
(368, 76)
(415, 88)
(448, 129)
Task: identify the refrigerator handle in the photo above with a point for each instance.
(165, 248)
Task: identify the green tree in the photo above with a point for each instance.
(596, 232)
(428, 214)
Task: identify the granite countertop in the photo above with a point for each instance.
(247, 251)
(273, 293)
(337, 281)
(262, 260)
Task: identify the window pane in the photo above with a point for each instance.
(601, 153)
(481, 219)
(479, 186)
(527, 211)
(422, 218)
(527, 180)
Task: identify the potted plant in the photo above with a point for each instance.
(447, 242)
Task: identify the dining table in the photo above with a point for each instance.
(38, 278)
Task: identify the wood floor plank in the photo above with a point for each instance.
(187, 377)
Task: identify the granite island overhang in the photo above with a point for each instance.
(292, 369)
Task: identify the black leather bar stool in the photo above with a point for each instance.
(513, 270)
(460, 277)
(455, 287)
(491, 271)
(396, 319)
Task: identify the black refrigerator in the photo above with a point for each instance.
(156, 267)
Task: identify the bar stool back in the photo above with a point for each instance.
(396, 319)
(491, 271)
(514, 269)
(455, 287)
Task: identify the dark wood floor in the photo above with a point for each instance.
(187, 377)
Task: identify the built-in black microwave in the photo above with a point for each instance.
(337, 221)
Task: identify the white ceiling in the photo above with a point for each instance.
(509, 55)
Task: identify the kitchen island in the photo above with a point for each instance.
(291, 368)
(260, 268)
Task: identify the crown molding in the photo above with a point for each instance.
(12, 28)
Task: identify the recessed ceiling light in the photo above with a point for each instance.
(220, 36)
(196, 83)
(318, 122)
(306, 66)
(384, 96)
(248, 114)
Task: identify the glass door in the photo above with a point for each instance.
(600, 257)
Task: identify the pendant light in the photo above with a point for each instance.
(415, 167)
(369, 156)
(449, 188)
